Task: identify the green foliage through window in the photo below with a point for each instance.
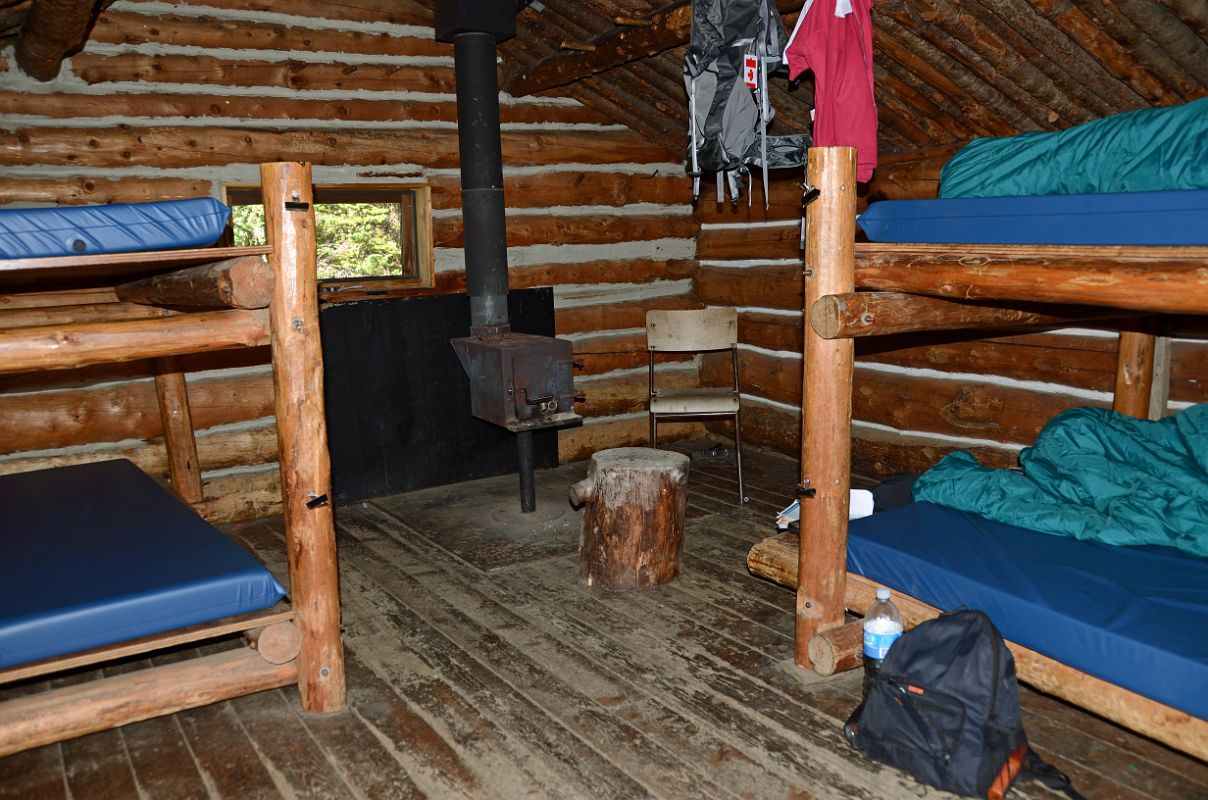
(353, 240)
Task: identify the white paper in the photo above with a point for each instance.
(860, 505)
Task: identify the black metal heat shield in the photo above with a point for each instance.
(520, 381)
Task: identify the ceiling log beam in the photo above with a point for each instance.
(1071, 18)
(637, 38)
(620, 45)
(52, 30)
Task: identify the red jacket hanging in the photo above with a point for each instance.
(839, 52)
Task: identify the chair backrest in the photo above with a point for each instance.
(701, 329)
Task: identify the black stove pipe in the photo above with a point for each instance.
(482, 181)
(482, 208)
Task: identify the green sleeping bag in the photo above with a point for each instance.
(1093, 474)
(1153, 149)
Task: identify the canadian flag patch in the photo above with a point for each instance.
(750, 71)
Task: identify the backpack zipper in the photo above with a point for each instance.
(911, 701)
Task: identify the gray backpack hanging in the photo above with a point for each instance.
(735, 44)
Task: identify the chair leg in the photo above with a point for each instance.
(653, 429)
(742, 495)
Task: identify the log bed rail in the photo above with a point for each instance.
(271, 302)
(1006, 284)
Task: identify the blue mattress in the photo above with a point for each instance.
(99, 553)
(1134, 616)
(116, 228)
(1133, 218)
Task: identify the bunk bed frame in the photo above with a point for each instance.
(299, 644)
(917, 287)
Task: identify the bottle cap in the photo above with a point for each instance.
(882, 594)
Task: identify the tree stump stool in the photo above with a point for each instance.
(633, 523)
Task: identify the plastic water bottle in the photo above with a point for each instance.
(882, 627)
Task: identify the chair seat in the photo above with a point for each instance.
(695, 401)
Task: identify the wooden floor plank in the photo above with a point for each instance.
(225, 755)
(95, 765)
(34, 774)
(566, 711)
(646, 723)
(288, 751)
(548, 598)
(538, 755)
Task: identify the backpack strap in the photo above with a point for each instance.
(1037, 769)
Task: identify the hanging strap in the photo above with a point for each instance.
(1036, 768)
(763, 126)
(692, 133)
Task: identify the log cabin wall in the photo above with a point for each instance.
(177, 100)
(915, 397)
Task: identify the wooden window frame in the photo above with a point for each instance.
(336, 290)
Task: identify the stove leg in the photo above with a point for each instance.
(528, 489)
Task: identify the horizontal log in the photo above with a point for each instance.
(392, 12)
(571, 188)
(629, 394)
(638, 270)
(1188, 366)
(147, 644)
(220, 106)
(94, 68)
(244, 282)
(45, 717)
(580, 442)
(594, 228)
(615, 316)
(80, 190)
(131, 28)
(92, 267)
(772, 287)
(57, 297)
(188, 146)
(784, 201)
(1085, 362)
(216, 450)
(775, 558)
(118, 371)
(773, 242)
(883, 313)
(1160, 279)
(608, 352)
(960, 407)
(874, 452)
(913, 175)
(247, 494)
(770, 331)
(84, 312)
(94, 343)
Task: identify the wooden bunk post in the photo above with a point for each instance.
(1134, 368)
(826, 399)
(302, 434)
(174, 413)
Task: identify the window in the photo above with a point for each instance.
(369, 238)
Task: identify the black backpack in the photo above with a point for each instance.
(945, 708)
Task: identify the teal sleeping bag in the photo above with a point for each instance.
(1153, 149)
(1093, 474)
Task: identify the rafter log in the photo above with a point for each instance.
(632, 39)
(625, 43)
(52, 30)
